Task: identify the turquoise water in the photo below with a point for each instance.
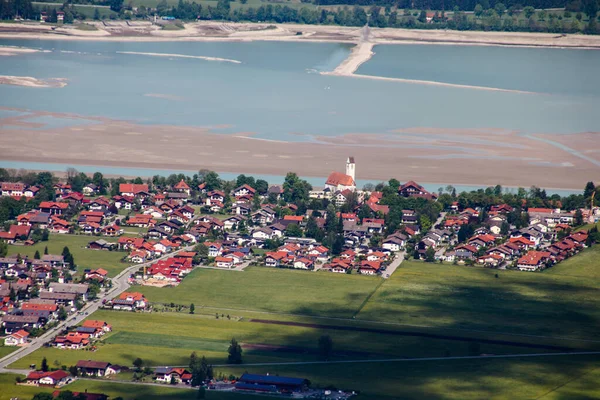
(276, 91)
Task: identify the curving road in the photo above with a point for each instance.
(120, 285)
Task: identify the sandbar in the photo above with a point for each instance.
(30, 81)
(469, 157)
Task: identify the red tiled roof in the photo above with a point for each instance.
(132, 188)
(337, 178)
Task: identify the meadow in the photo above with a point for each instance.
(267, 289)
(473, 298)
(127, 391)
(84, 258)
(170, 338)
(544, 378)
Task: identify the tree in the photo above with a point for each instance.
(590, 188)
(3, 248)
(138, 363)
(293, 230)
(529, 11)
(430, 254)
(422, 17)
(116, 5)
(235, 353)
(500, 9)
(478, 10)
(45, 235)
(46, 250)
(96, 14)
(202, 390)
(73, 370)
(37, 256)
(590, 8)
(578, 218)
(325, 347)
(44, 365)
(62, 314)
(192, 308)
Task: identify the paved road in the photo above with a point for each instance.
(120, 285)
(394, 264)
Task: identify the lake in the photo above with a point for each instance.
(277, 92)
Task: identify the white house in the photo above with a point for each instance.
(16, 339)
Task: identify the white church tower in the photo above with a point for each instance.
(351, 168)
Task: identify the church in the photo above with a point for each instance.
(340, 182)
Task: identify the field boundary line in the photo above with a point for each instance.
(566, 383)
(364, 303)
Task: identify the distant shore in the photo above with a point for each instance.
(143, 31)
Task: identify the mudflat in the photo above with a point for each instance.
(467, 157)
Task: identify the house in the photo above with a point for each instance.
(168, 374)
(130, 301)
(264, 216)
(490, 260)
(413, 189)
(58, 225)
(182, 187)
(100, 326)
(72, 341)
(133, 190)
(99, 274)
(303, 263)
(369, 267)
(13, 189)
(80, 289)
(53, 207)
(244, 190)
(141, 221)
(50, 378)
(95, 368)
(18, 338)
(90, 189)
(338, 181)
(224, 262)
(394, 242)
(533, 261)
(214, 249)
(277, 258)
(263, 233)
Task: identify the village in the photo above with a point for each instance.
(165, 232)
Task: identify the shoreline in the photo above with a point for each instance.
(167, 171)
(207, 31)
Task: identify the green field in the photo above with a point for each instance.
(6, 350)
(84, 258)
(275, 290)
(128, 391)
(586, 265)
(569, 377)
(449, 296)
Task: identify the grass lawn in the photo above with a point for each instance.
(84, 258)
(170, 338)
(569, 377)
(585, 264)
(9, 390)
(472, 298)
(6, 350)
(269, 289)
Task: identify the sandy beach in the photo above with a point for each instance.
(228, 31)
(488, 157)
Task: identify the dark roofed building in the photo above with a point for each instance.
(281, 383)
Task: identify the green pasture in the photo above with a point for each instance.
(275, 290)
(84, 258)
(472, 298)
